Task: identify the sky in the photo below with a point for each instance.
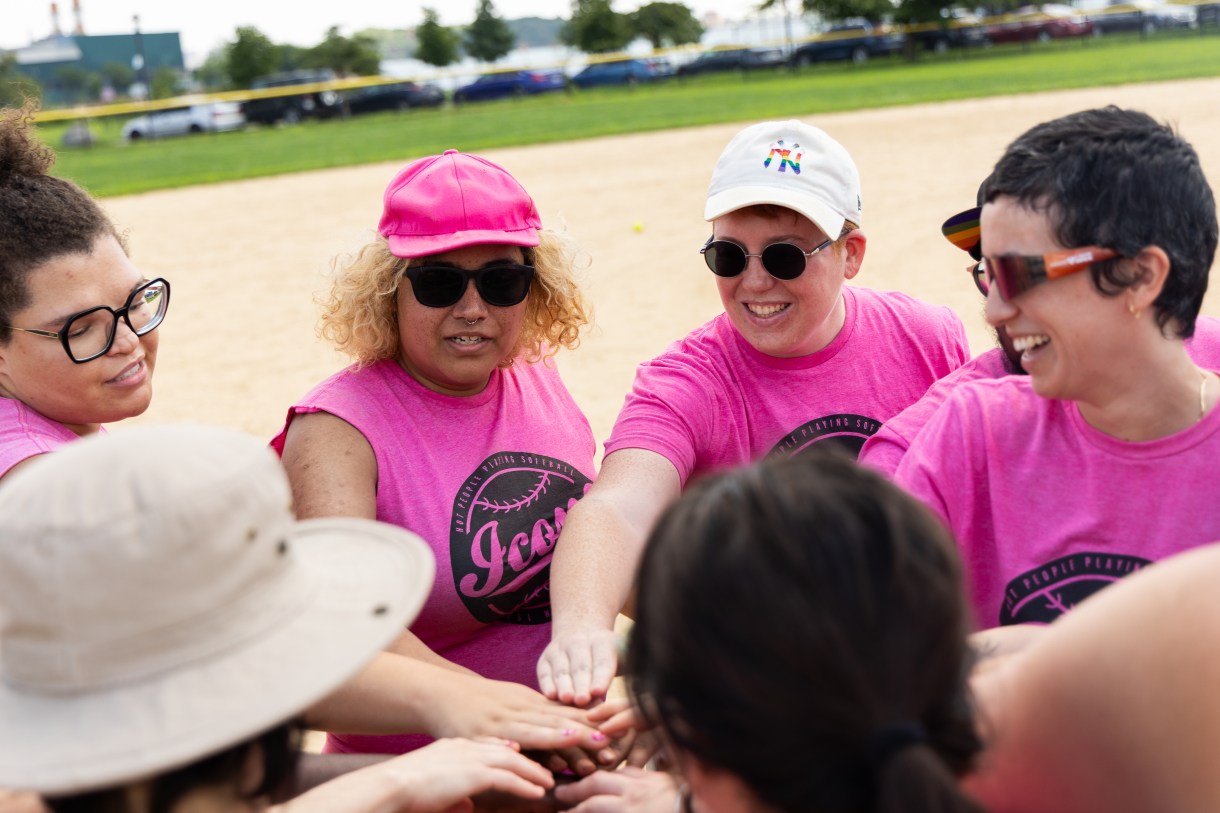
(207, 24)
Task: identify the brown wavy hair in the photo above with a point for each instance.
(359, 315)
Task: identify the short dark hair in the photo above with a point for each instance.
(278, 747)
(790, 610)
(41, 217)
(1119, 179)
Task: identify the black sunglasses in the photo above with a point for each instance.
(782, 260)
(439, 286)
(978, 270)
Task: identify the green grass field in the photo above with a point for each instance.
(113, 168)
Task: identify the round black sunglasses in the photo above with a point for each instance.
(782, 260)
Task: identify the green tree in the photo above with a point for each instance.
(663, 23)
(165, 83)
(488, 38)
(434, 43)
(347, 56)
(74, 82)
(249, 56)
(212, 74)
(596, 28)
(15, 86)
(119, 75)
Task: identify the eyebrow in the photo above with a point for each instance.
(63, 320)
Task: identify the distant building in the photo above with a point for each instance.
(45, 60)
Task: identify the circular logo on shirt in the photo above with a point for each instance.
(848, 431)
(1043, 594)
(506, 519)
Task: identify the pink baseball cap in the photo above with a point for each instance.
(448, 201)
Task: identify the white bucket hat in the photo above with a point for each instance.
(159, 603)
(790, 164)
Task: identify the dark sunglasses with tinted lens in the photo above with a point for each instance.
(782, 260)
(1014, 275)
(979, 272)
(440, 286)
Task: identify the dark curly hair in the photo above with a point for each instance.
(790, 612)
(41, 217)
(1121, 180)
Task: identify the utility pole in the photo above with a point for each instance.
(140, 66)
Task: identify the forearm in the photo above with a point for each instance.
(409, 645)
(394, 694)
(313, 770)
(593, 566)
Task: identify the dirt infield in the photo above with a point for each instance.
(246, 258)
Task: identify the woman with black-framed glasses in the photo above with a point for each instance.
(453, 423)
(78, 321)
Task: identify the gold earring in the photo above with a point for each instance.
(1131, 309)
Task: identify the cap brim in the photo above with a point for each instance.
(409, 246)
(358, 585)
(739, 197)
(962, 230)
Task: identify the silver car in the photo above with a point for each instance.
(211, 117)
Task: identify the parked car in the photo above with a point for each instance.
(510, 84)
(212, 117)
(857, 41)
(292, 108)
(1145, 16)
(733, 59)
(622, 72)
(959, 30)
(396, 96)
(1041, 24)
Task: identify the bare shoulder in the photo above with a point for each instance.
(332, 467)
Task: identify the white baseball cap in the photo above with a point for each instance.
(789, 164)
(160, 603)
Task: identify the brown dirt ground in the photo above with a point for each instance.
(247, 258)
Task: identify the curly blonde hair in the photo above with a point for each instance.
(359, 315)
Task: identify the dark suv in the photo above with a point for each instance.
(293, 107)
(856, 41)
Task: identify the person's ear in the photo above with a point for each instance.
(854, 244)
(1151, 270)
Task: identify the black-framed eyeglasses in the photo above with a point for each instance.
(782, 260)
(979, 272)
(439, 286)
(90, 334)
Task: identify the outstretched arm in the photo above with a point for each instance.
(593, 568)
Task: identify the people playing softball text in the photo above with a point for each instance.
(1098, 232)
(884, 450)
(797, 358)
(78, 321)
(453, 422)
(843, 678)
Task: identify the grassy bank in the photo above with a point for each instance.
(113, 168)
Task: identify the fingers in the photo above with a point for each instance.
(576, 759)
(578, 669)
(601, 783)
(607, 709)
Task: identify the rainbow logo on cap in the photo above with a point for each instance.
(784, 154)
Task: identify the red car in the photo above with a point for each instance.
(1042, 24)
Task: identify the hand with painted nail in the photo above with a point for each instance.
(628, 790)
(438, 778)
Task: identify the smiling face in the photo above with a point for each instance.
(439, 348)
(35, 369)
(1067, 333)
(786, 318)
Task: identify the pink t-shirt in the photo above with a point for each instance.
(712, 401)
(25, 433)
(487, 481)
(884, 450)
(1046, 509)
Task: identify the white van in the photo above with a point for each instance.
(212, 117)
